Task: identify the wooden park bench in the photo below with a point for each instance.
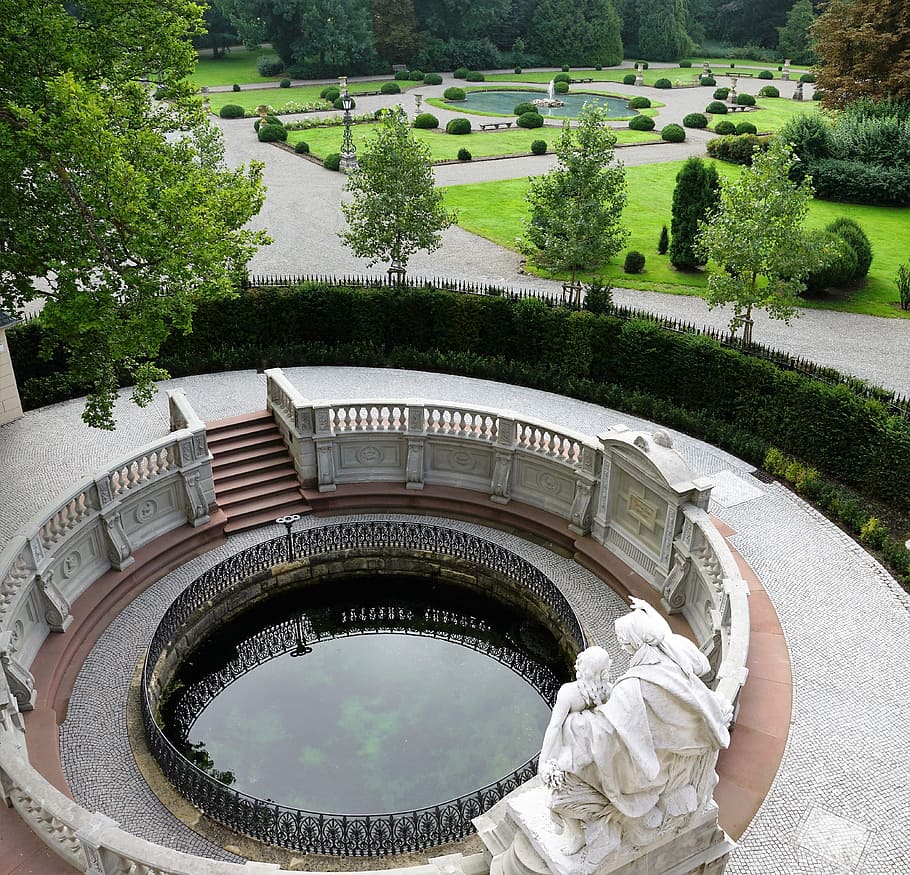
(579, 81)
(486, 125)
(736, 107)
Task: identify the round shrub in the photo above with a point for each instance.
(231, 110)
(685, 64)
(458, 126)
(634, 263)
(807, 77)
(562, 77)
(331, 93)
(338, 104)
(461, 73)
(284, 83)
(302, 148)
(663, 83)
(745, 128)
(765, 74)
(454, 93)
(272, 134)
(736, 150)
(518, 69)
(599, 67)
(565, 68)
(390, 88)
(561, 87)
(432, 79)
(523, 107)
(426, 120)
(769, 91)
(852, 232)
(539, 147)
(841, 267)
(464, 155)
(269, 120)
(640, 102)
(695, 120)
(416, 75)
(724, 128)
(474, 76)
(673, 134)
(641, 123)
(721, 93)
(401, 75)
(332, 161)
(235, 87)
(715, 107)
(269, 65)
(732, 65)
(745, 100)
(818, 94)
(708, 80)
(628, 79)
(530, 120)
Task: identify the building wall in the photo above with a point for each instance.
(10, 405)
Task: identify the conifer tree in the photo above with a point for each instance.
(795, 40)
(662, 32)
(578, 34)
(694, 197)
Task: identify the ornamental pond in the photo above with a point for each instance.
(503, 102)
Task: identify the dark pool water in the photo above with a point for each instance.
(394, 703)
(503, 102)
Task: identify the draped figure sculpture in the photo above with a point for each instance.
(628, 762)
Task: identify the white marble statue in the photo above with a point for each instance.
(628, 762)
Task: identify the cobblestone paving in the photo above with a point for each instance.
(840, 799)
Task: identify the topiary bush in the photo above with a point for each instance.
(643, 64)
(523, 107)
(458, 126)
(663, 242)
(235, 87)
(707, 80)
(640, 102)
(565, 68)
(807, 77)
(284, 83)
(561, 88)
(426, 120)
(634, 263)
(562, 77)
(432, 79)
(715, 107)
(769, 91)
(721, 94)
(641, 123)
(673, 134)
(628, 79)
(331, 93)
(685, 64)
(269, 120)
(736, 150)
(464, 155)
(745, 100)
(390, 88)
(461, 73)
(663, 83)
(724, 128)
(272, 134)
(818, 94)
(765, 74)
(852, 232)
(339, 105)
(454, 93)
(416, 75)
(841, 267)
(269, 65)
(231, 110)
(474, 76)
(518, 69)
(302, 147)
(695, 120)
(745, 128)
(530, 120)
(402, 75)
(332, 161)
(539, 147)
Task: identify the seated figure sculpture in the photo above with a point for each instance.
(628, 763)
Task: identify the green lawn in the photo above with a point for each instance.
(772, 113)
(239, 66)
(250, 98)
(494, 210)
(444, 147)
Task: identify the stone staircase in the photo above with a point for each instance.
(255, 480)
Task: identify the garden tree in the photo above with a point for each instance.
(746, 22)
(219, 33)
(695, 195)
(586, 32)
(628, 17)
(662, 34)
(863, 48)
(794, 39)
(576, 208)
(395, 36)
(753, 242)
(461, 19)
(121, 203)
(395, 209)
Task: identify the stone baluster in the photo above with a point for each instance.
(416, 436)
(506, 438)
(585, 483)
(19, 679)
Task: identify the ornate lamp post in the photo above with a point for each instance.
(348, 151)
(288, 523)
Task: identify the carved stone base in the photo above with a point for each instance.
(534, 846)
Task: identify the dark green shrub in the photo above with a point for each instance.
(841, 267)
(643, 65)
(272, 133)
(461, 73)
(530, 120)
(818, 94)
(628, 79)
(721, 93)
(426, 120)
(663, 242)
(732, 66)
(235, 87)
(807, 77)
(475, 76)
(737, 149)
(695, 120)
(860, 183)
(331, 93)
(634, 263)
(599, 67)
(458, 126)
(769, 91)
(160, 93)
(694, 196)
(902, 281)
(432, 79)
(746, 128)
(707, 80)
(809, 135)
(685, 64)
(598, 297)
(302, 147)
(390, 88)
(715, 107)
(641, 123)
(745, 100)
(673, 134)
(523, 107)
(640, 102)
(269, 65)
(402, 75)
(539, 147)
(416, 75)
(853, 233)
(518, 69)
(561, 88)
(332, 161)
(562, 77)
(269, 120)
(454, 93)
(565, 68)
(464, 155)
(338, 104)
(284, 83)
(231, 110)
(765, 74)
(663, 83)
(724, 128)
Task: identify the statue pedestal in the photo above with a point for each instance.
(522, 839)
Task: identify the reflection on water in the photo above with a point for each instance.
(362, 697)
(503, 102)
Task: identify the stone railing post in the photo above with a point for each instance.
(98, 862)
(56, 607)
(585, 482)
(416, 434)
(324, 440)
(19, 680)
(506, 437)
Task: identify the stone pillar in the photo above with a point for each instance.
(89, 837)
(10, 404)
(416, 436)
(20, 680)
(119, 549)
(501, 487)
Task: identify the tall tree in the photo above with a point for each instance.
(864, 50)
(746, 22)
(586, 32)
(695, 195)
(121, 203)
(395, 36)
(662, 34)
(753, 243)
(395, 208)
(794, 40)
(576, 208)
(219, 34)
(461, 19)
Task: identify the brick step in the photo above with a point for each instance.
(241, 442)
(253, 471)
(285, 489)
(241, 522)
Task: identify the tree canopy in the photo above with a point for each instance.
(662, 34)
(121, 203)
(584, 32)
(794, 39)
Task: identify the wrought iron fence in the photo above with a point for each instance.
(334, 834)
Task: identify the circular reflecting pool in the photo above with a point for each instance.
(502, 102)
(355, 697)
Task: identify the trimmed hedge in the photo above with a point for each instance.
(426, 120)
(664, 83)
(640, 102)
(530, 120)
(560, 87)
(695, 120)
(739, 149)
(769, 91)
(746, 128)
(461, 73)
(302, 147)
(523, 107)
(641, 123)
(721, 94)
(231, 110)
(339, 105)
(562, 77)
(539, 147)
(332, 161)
(458, 126)
(673, 133)
(707, 80)
(272, 134)
(724, 128)
(416, 75)
(857, 182)
(454, 93)
(475, 76)
(852, 232)
(331, 93)
(765, 74)
(464, 155)
(390, 88)
(715, 107)
(628, 79)
(432, 79)
(745, 100)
